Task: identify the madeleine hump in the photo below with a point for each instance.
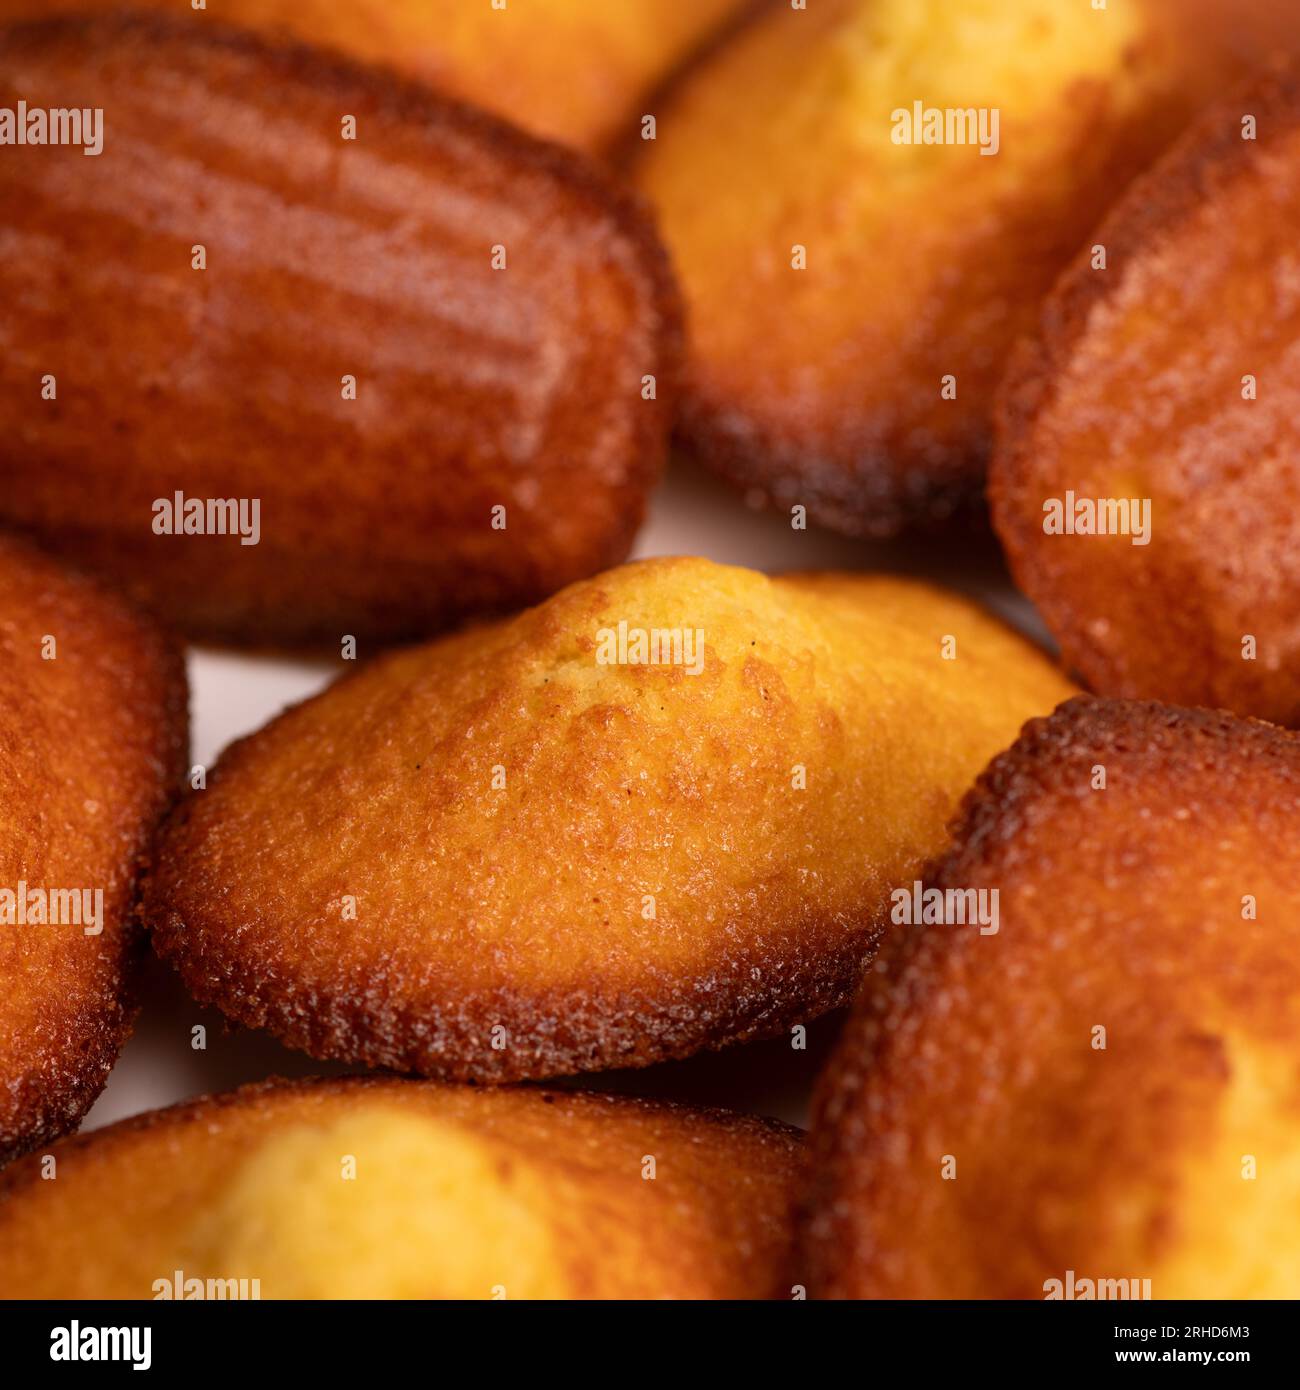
(503, 855)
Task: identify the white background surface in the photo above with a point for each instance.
(233, 694)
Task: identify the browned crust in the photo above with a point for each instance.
(52, 1098)
(1196, 755)
(860, 492)
(403, 617)
(1151, 737)
(567, 1034)
(1195, 169)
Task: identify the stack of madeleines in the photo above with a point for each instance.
(368, 330)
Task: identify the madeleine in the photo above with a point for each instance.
(854, 286)
(1102, 1094)
(1145, 484)
(379, 1188)
(412, 363)
(661, 812)
(92, 749)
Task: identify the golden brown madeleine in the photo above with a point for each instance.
(1106, 1088)
(411, 433)
(380, 1188)
(92, 748)
(529, 849)
(572, 70)
(852, 297)
(1145, 485)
